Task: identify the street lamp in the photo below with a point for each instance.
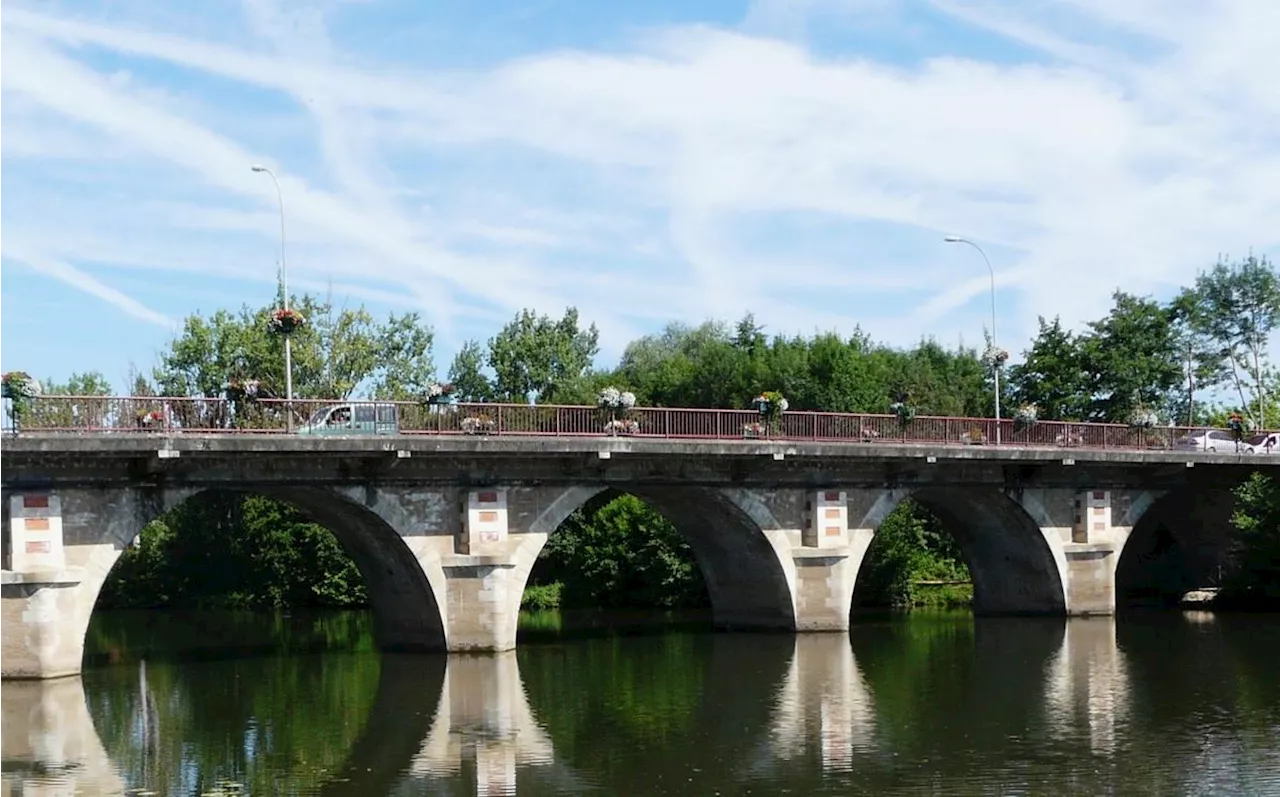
(955, 239)
(284, 284)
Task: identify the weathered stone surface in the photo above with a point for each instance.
(446, 537)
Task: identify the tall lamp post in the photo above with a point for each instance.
(284, 284)
(995, 366)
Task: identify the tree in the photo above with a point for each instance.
(336, 355)
(1132, 359)
(1236, 307)
(1052, 375)
(469, 382)
(534, 356)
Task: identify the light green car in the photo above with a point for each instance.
(356, 418)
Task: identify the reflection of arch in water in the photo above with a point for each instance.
(715, 739)
(1087, 683)
(824, 695)
(48, 735)
(447, 719)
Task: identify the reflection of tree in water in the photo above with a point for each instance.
(266, 723)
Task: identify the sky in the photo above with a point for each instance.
(645, 162)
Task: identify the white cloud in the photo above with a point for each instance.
(1127, 152)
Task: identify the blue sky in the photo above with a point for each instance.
(645, 162)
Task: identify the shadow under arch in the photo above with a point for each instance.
(1013, 568)
(1180, 543)
(406, 614)
(744, 576)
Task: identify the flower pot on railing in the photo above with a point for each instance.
(19, 388)
(1068, 438)
(615, 403)
(869, 435)
(151, 419)
(284, 322)
(621, 426)
(755, 430)
(244, 390)
(439, 396)
(477, 424)
(974, 437)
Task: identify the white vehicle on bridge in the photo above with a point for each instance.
(1206, 440)
(1262, 444)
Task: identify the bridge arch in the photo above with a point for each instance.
(1178, 542)
(741, 563)
(1014, 567)
(405, 611)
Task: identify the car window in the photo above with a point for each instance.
(364, 413)
(1257, 439)
(386, 413)
(1219, 436)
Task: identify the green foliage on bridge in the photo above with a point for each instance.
(255, 553)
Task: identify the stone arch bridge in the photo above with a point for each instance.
(446, 530)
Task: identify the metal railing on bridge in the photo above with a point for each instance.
(176, 415)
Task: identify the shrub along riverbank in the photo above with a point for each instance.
(223, 550)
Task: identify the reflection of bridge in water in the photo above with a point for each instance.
(444, 723)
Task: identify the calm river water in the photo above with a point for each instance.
(926, 704)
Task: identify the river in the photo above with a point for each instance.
(221, 704)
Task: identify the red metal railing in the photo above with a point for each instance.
(170, 415)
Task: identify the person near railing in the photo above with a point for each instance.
(1235, 423)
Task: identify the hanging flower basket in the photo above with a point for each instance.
(1025, 416)
(619, 401)
(19, 386)
(905, 412)
(477, 424)
(285, 322)
(995, 357)
(150, 419)
(439, 394)
(246, 390)
(1143, 418)
(622, 426)
(770, 404)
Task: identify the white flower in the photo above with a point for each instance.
(782, 405)
(628, 399)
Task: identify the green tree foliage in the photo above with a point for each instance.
(467, 374)
(535, 356)
(616, 551)
(225, 550)
(910, 547)
(337, 354)
(1052, 375)
(1231, 313)
(1255, 579)
(1132, 359)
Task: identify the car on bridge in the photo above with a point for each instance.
(1213, 440)
(1262, 444)
(355, 418)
